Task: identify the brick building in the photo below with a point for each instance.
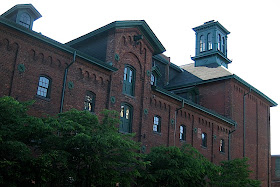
(121, 67)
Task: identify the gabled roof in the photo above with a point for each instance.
(35, 12)
(56, 44)
(140, 24)
(205, 74)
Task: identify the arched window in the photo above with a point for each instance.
(25, 20)
(126, 118)
(44, 87)
(223, 45)
(204, 139)
(157, 124)
(128, 80)
(219, 42)
(209, 41)
(183, 132)
(201, 44)
(89, 102)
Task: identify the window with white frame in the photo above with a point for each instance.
(44, 87)
(157, 124)
(222, 146)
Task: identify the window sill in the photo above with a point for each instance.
(43, 98)
(203, 147)
(131, 96)
(223, 153)
(157, 133)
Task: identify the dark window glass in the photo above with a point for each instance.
(204, 139)
(157, 124)
(182, 132)
(126, 118)
(89, 101)
(25, 20)
(128, 80)
(222, 145)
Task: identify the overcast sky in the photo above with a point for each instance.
(253, 44)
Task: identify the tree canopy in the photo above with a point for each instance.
(75, 148)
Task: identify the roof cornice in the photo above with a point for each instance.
(56, 44)
(140, 24)
(272, 103)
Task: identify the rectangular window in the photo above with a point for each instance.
(128, 80)
(222, 145)
(157, 124)
(204, 139)
(89, 101)
(183, 132)
(126, 118)
(43, 87)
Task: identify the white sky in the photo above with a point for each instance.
(253, 45)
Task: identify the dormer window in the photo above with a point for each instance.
(201, 44)
(25, 20)
(209, 41)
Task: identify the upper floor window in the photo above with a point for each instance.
(219, 42)
(183, 132)
(153, 80)
(157, 124)
(204, 139)
(89, 101)
(201, 44)
(126, 118)
(223, 45)
(222, 146)
(128, 80)
(44, 87)
(25, 20)
(209, 41)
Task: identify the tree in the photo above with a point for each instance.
(234, 173)
(73, 149)
(173, 166)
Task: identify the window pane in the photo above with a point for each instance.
(43, 87)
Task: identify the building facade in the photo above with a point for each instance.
(121, 67)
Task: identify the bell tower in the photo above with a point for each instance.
(211, 45)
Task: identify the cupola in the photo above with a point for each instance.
(211, 45)
(23, 14)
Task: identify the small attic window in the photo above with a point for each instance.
(25, 20)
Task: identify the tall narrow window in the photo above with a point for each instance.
(89, 101)
(223, 45)
(201, 44)
(25, 20)
(222, 146)
(209, 41)
(219, 42)
(204, 139)
(183, 132)
(157, 124)
(126, 118)
(128, 80)
(44, 87)
(153, 79)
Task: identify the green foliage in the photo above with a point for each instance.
(173, 166)
(234, 173)
(76, 149)
(72, 149)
